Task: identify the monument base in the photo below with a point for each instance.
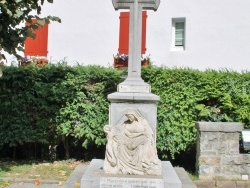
(94, 177)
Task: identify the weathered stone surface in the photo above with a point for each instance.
(242, 184)
(206, 169)
(245, 158)
(134, 82)
(231, 160)
(132, 97)
(209, 153)
(131, 147)
(226, 184)
(94, 172)
(208, 160)
(204, 184)
(246, 169)
(149, 4)
(229, 136)
(219, 126)
(233, 171)
(184, 177)
(229, 143)
(234, 147)
(147, 107)
(220, 141)
(128, 182)
(210, 141)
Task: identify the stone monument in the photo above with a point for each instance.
(131, 158)
(134, 95)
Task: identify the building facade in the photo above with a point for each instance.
(196, 34)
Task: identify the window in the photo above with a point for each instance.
(178, 33)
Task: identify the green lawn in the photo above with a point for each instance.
(36, 170)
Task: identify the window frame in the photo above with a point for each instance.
(175, 47)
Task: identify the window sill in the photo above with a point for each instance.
(178, 48)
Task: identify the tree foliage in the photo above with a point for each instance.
(13, 16)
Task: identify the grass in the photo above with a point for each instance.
(36, 170)
(193, 176)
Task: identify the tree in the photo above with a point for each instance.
(13, 16)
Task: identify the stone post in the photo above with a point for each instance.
(218, 153)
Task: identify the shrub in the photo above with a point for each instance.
(58, 103)
(188, 96)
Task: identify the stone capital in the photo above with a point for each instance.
(219, 126)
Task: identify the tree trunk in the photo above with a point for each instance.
(67, 148)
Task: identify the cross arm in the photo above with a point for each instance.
(146, 4)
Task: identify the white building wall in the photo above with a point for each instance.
(88, 33)
(217, 33)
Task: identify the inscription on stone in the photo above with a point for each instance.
(122, 182)
(134, 89)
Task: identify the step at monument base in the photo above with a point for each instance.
(94, 177)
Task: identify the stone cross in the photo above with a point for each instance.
(134, 82)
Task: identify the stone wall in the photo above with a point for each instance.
(218, 153)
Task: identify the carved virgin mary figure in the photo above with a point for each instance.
(131, 148)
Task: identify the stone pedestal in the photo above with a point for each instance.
(94, 177)
(146, 103)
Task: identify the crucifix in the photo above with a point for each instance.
(134, 82)
(133, 105)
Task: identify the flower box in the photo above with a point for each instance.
(121, 61)
(33, 61)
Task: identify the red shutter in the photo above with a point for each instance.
(124, 32)
(144, 29)
(39, 45)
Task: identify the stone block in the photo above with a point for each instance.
(223, 148)
(209, 136)
(75, 176)
(119, 97)
(242, 184)
(126, 181)
(145, 103)
(184, 177)
(217, 170)
(208, 160)
(206, 146)
(219, 126)
(94, 173)
(207, 170)
(209, 141)
(231, 160)
(204, 184)
(226, 184)
(246, 169)
(231, 171)
(225, 137)
(245, 158)
(234, 147)
(208, 153)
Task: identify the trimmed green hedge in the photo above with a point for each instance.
(190, 95)
(49, 104)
